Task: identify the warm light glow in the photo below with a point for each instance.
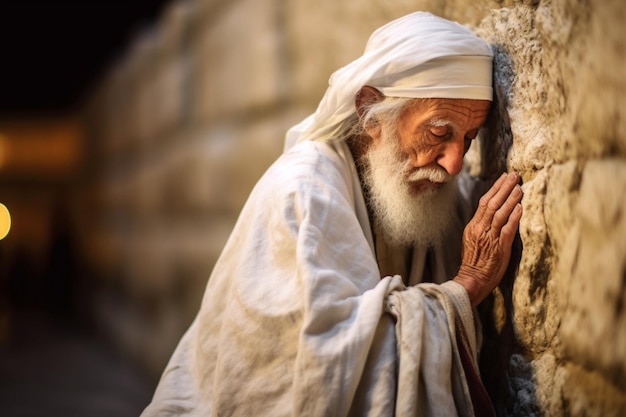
(5, 221)
(42, 148)
(3, 149)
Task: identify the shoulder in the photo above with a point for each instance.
(311, 156)
(309, 165)
(312, 180)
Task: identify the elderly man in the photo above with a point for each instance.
(347, 285)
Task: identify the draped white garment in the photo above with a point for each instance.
(296, 320)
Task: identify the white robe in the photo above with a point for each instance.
(297, 321)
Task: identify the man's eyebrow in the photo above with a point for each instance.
(439, 122)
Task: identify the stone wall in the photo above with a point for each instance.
(560, 80)
(196, 110)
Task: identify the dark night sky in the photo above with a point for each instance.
(51, 52)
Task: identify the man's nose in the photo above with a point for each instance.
(451, 156)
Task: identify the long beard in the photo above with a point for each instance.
(405, 217)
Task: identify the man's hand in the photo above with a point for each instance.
(488, 238)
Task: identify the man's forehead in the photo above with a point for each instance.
(445, 112)
(437, 103)
(447, 107)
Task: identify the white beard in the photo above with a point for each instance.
(407, 218)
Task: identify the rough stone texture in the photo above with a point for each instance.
(196, 110)
(589, 276)
(559, 74)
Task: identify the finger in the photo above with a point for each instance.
(484, 200)
(498, 201)
(496, 186)
(492, 201)
(507, 234)
(503, 193)
(502, 215)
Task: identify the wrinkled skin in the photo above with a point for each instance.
(437, 133)
(488, 238)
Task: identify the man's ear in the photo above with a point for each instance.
(365, 97)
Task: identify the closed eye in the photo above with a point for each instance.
(439, 129)
(440, 132)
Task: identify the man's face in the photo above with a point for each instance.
(437, 133)
(411, 167)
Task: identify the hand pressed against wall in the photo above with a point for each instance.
(488, 238)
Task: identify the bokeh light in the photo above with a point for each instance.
(5, 221)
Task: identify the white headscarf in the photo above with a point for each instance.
(419, 55)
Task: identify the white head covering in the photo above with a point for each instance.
(419, 55)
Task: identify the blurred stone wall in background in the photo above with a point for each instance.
(197, 109)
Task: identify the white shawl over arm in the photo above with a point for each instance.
(293, 320)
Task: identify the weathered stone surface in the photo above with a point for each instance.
(591, 277)
(547, 387)
(584, 393)
(325, 35)
(595, 88)
(198, 108)
(533, 314)
(237, 66)
(561, 197)
(513, 33)
(467, 13)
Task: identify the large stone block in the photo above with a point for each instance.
(595, 87)
(168, 96)
(260, 143)
(561, 197)
(148, 264)
(579, 392)
(566, 94)
(325, 35)
(591, 270)
(198, 172)
(111, 120)
(145, 180)
(171, 70)
(533, 305)
(531, 110)
(237, 62)
(137, 95)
